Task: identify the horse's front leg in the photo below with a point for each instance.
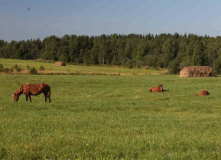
(45, 97)
(26, 98)
(29, 98)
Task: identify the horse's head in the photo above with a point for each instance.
(161, 87)
(15, 97)
(17, 94)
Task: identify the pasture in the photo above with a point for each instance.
(111, 117)
(79, 70)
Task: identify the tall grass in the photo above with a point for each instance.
(111, 117)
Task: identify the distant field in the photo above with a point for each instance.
(111, 117)
(74, 69)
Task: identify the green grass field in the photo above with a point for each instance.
(76, 69)
(111, 117)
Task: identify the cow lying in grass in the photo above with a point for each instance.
(157, 89)
(202, 93)
(33, 89)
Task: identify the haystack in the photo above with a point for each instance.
(197, 71)
(59, 63)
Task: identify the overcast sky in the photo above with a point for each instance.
(32, 19)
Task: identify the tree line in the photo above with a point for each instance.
(172, 51)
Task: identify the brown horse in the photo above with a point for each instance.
(157, 89)
(33, 89)
(202, 93)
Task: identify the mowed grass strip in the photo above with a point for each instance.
(50, 68)
(111, 117)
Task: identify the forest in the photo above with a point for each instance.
(171, 51)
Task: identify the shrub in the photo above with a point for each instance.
(33, 71)
(174, 67)
(28, 67)
(42, 68)
(1, 67)
(130, 64)
(6, 70)
(17, 68)
(11, 70)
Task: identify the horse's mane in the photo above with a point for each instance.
(20, 90)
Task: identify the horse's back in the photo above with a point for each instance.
(36, 89)
(203, 93)
(155, 89)
(45, 87)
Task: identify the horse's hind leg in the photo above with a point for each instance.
(48, 95)
(49, 98)
(26, 98)
(45, 97)
(29, 98)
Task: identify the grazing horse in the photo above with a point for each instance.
(202, 93)
(33, 89)
(157, 89)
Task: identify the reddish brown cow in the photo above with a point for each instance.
(33, 89)
(157, 89)
(202, 93)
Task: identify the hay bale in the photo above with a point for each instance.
(145, 67)
(59, 63)
(197, 71)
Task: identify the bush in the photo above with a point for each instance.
(33, 71)
(130, 64)
(1, 68)
(28, 67)
(17, 68)
(11, 70)
(174, 67)
(42, 68)
(6, 70)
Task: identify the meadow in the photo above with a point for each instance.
(77, 69)
(111, 117)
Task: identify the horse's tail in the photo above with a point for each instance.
(49, 90)
(49, 93)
